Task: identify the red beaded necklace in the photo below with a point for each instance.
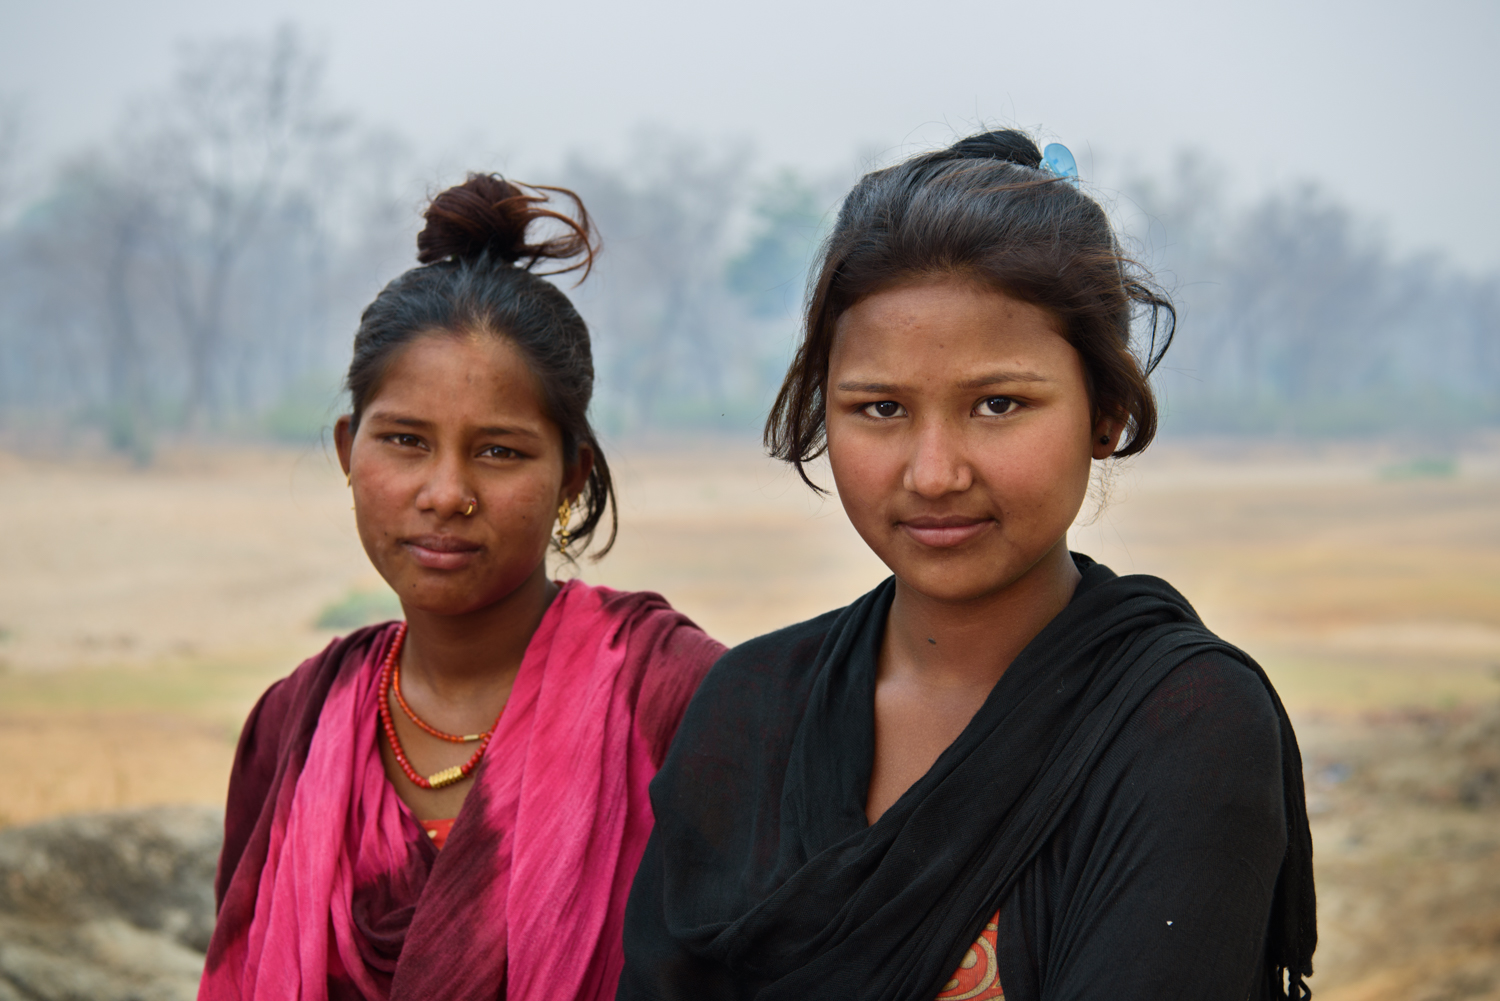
(422, 723)
(390, 675)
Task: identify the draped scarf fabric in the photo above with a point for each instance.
(329, 887)
(764, 879)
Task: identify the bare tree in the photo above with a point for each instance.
(209, 265)
(80, 261)
(10, 157)
(222, 148)
(11, 136)
(790, 215)
(666, 324)
(125, 215)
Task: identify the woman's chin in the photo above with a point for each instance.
(960, 579)
(951, 590)
(440, 602)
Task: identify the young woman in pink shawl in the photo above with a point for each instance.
(453, 806)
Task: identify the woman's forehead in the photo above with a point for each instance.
(948, 326)
(461, 374)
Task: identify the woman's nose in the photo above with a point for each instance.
(447, 491)
(938, 463)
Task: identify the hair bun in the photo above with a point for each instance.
(488, 215)
(1010, 145)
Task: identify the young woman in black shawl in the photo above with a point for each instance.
(1005, 771)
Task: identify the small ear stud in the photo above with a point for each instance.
(1104, 439)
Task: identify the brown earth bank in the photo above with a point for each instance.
(142, 611)
(108, 907)
(1405, 812)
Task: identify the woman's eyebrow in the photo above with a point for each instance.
(995, 378)
(499, 430)
(494, 430)
(401, 420)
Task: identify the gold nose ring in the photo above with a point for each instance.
(473, 506)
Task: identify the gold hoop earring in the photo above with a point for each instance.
(473, 506)
(564, 513)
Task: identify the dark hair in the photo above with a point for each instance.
(472, 279)
(984, 210)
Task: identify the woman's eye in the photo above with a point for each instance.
(499, 452)
(885, 408)
(995, 406)
(405, 440)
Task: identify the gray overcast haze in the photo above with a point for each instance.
(1389, 106)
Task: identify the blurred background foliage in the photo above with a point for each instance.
(202, 271)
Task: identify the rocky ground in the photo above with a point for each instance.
(108, 906)
(1406, 828)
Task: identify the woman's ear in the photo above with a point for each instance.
(343, 440)
(1106, 436)
(577, 477)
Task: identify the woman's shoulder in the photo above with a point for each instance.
(290, 697)
(1208, 690)
(798, 643)
(763, 670)
(653, 629)
(1208, 739)
(614, 606)
(1213, 686)
(1196, 766)
(760, 687)
(328, 661)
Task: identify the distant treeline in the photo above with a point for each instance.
(1295, 317)
(203, 272)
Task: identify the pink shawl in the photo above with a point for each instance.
(328, 886)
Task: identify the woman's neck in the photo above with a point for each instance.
(457, 657)
(971, 644)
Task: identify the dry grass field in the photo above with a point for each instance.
(141, 612)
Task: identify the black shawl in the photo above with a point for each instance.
(1128, 767)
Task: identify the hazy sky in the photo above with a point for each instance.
(1391, 106)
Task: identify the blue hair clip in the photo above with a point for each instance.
(1058, 161)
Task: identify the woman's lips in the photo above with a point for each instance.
(442, 552)
(945, 533)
